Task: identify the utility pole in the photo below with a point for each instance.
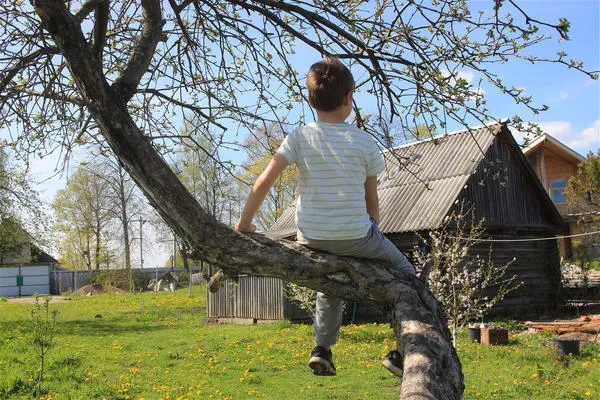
(174, 258)
(141, 243)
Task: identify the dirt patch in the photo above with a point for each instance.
(97, 288)
(31, 300)
(88, 290)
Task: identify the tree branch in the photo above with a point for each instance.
(431, 366)
(143, 52)
(100, 26)
(24, 62)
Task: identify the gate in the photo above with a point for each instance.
(24, 281)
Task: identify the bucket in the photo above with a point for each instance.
(474, 334)
(566, 347)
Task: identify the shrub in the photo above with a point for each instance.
(120, 279)
(304, 297)
(43, 326)
(184, 278)
(467, 285)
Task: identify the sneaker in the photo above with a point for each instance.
(321, 362)
(393, 362)
(217, 280)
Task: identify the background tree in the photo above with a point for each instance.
(22, 216)
(127, 71)
(13, 238)
(83, 210)
(260, 147)
(208, 179)
(583, 189)
(583, 198)
(123, 200)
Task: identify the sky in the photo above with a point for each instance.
(573, 98)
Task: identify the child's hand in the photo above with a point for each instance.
(245, 228)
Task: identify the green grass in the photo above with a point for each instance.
(150, 346)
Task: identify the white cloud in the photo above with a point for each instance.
(589, 138)
(469, 77)
(560, 130)
(582, 141)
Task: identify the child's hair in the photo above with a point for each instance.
(328, 81)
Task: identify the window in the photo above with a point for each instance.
(589, 196)
(557, 189)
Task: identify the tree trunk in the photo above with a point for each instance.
(98, 244)
(431, 366)
(125, 224)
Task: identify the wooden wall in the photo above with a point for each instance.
(253, 298)
(537, 265)
(503, 194)
(558, 168)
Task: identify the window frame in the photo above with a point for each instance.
(556, 196)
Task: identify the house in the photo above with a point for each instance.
(554, 163)
(484, 168)
(26, 271)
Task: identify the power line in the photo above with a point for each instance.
(530, 239)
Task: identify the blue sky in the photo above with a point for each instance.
(573, 98)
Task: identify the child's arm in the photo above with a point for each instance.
(259, 191)
(372, 198)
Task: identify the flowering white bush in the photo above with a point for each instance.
(466, 284)
(569, 269)
(575, 275)
(304, 297)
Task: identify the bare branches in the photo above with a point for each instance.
(240, 64)
(562, 28)
(23, 62)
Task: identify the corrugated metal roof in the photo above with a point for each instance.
(421, 181)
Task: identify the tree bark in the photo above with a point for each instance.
(431, 366)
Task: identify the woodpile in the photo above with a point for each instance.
(586, 326)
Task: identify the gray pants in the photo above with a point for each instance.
(375, 246)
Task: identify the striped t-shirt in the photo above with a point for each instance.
(334, 161)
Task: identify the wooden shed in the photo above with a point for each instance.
(253, 298)
(483, 167)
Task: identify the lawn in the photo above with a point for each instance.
(148, 346)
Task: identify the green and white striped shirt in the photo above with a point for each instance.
(334, 161)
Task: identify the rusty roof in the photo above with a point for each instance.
(421, 181)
